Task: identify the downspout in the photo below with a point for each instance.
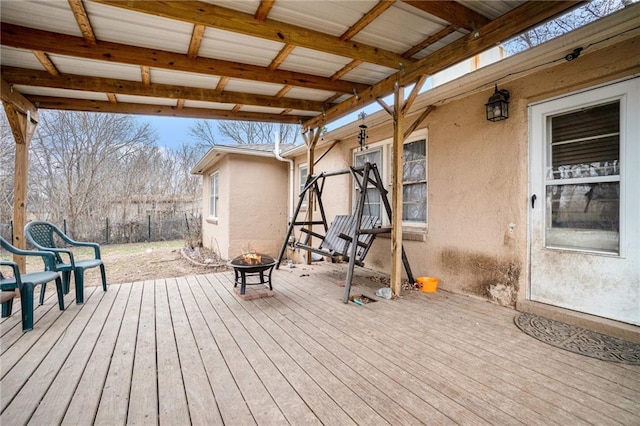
(276, 152)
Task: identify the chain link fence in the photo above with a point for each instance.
(187, 227)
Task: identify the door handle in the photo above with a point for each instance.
(533, 200)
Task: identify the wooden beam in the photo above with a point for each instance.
(37, 78)
(196, 40)
(423, 115)
(396, 192)
(222, 83)
(69, 104)
(367, 18)
(180, 104)
(281, 56)
(452, 12)
(508, 25)
(231, 20)
(263, 10)
(15, 98)
(45, 61)
(22, 127)
(414, 94)
(344, 70)
(429, 41)
(145, 73)
(112, 98)
(62, 44)
(77, 7)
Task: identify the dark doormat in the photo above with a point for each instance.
(579, 340)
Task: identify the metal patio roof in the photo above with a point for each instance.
(289, 61)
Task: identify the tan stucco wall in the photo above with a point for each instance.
(478, 198)
(215, 233)
(253, 206)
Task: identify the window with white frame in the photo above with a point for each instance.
(213, 196)
(414, 179)
(414, 182)
(373, 202)
(303, 172)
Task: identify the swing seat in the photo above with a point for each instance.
(336, 243)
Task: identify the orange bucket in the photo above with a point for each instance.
(427, 284)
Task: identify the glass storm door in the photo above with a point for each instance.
(585, 202)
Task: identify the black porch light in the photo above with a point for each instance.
(498, 105)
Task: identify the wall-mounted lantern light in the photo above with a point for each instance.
(498, 105)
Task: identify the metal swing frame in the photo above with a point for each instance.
(338, 238)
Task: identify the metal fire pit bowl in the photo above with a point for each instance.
(258, 272)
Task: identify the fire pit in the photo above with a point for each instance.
(252, 265)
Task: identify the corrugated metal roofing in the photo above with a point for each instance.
(293, 57)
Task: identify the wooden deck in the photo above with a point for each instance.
(188, 350)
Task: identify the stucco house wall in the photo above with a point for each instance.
(252, 205)
(477, 174)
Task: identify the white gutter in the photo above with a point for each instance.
(276, 152)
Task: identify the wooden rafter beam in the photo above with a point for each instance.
(222, 83)
(112, 98)
(429, 41)
(145, 74)
(196, 40)
(281, 56)
(70, 104)
(263, 10)
(238, 22)
(62, 44)
(366, 19)
(28, 77)
(452, 12)
(77, 7)
(506, 26)
(17, 100)
(45, 61)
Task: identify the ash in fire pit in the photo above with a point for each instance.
(252, 265)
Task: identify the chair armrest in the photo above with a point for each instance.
(16, 271)
(95, 246)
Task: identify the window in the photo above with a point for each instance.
(213, 196)
(583, 179)
(414, 179)
(373, 203)
(302, 180)
(414, 182)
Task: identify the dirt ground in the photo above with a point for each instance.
(140, 261)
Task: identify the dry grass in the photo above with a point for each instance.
(134, 262)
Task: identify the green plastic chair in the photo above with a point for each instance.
(26, 282)
(46, 236)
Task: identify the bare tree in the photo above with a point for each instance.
(243, 132)
(578, 17)
(76, 157)
(7, 164)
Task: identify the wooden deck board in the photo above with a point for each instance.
(143, 403)
(190, 351)
(53, 405)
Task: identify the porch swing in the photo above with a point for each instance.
(337, 241)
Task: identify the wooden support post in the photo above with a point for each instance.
(23, 118)
(396, 192)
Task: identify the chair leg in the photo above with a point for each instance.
(7, 307)
(66, 281)
(26, 300)
(59, 290)
(103, 274)
(42, 290)
(78, 276)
